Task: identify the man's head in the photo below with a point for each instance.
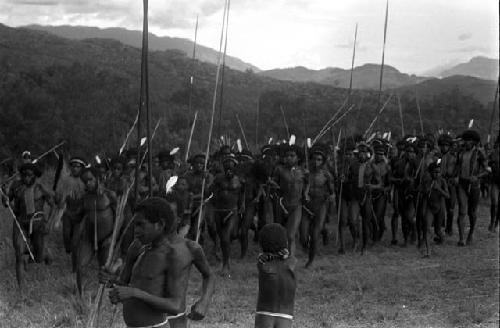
(29, 173)
(229, 163)
(166, 160)
(198, 162)
(153, 218)
(117, 166)
(364, 152)
(444, 143)
(470, 138)
(291, 155)
(26, 157)
(434, 170)
(379, 153)
(76, 166)
(272, 238)
(90, 177)
(181, 184)
(411, 151)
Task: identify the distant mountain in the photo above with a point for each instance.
(364, 77)
(482, 90)
(134, 39)
(480, 67)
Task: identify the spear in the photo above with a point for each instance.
(242, 131)
(419, 113)
(129, 133)
(321, 132)
(257, 112)
(333, 124)
(284, 121)
(353, 56)
(493, 112)
(401, 116)
(221, 101)
(368, 130)
(383, 53)
(193, 62)
(214, 103)
(190, 137)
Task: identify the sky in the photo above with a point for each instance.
(421, 34)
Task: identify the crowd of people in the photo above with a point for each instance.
(289, 195)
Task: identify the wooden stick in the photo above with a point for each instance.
(214, 103)
(129, 133)
(352, 63)
(419, 113)
(401, 117)
(186, 157)
(331, 119)
(284, 121)
(490, 129)
(242, 131)
(368, 130)
(383, 53)
(333, 124)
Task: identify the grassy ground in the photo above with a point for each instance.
(387, 287)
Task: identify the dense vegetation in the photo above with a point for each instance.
(86, 92)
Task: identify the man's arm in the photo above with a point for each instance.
(199, 309)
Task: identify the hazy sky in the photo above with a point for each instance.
(422, 34)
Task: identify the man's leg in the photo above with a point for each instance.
(450, 208)
(473, 201)
(292, 225)
(493, 206)
(319, 218)
(462, 210)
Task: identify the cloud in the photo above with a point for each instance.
(464, 36)
(472, 49)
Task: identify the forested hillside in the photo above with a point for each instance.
(86, 92)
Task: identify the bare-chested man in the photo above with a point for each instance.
(292, 181)
(471, 168)
(69, 193)
(227, 202)
(320, 190)
(449, 173)
(95, 227)
(153, 283)
(27, 201)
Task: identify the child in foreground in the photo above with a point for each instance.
(277, 284)
(153, 283)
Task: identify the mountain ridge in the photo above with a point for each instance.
(134, 38)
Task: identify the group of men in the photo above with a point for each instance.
(424, 178)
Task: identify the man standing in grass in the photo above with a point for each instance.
(153, 283)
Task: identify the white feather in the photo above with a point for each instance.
(174, 151)
(270, 141)
(439, 161)
(471, 123)
(97, 159)
(292, 140)
(309, 142)
(240, 147)
(143, 141)
(171, 183)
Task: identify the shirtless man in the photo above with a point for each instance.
(471, 168)
(449, 173)
(69, 193)
(381, 195)
(363, 178)
(27, 202)
(320, 190)
(227, 204)
(434, 192)
(292, 181)
(398, 164)
(153, 283)
(494, 164)
(95, 227)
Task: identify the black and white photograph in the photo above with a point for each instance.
(249, 164)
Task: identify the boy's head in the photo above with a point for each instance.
(272, 238)
(434, 169)
(90, 177)
(153, 217)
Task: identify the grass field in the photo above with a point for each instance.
(390, 286)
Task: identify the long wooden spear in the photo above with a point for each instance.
(285, 122)
(214, 103)
(368, 130)
(383, 53)
(352, 63)
(190, 139)
(242, 131)
(221, 97)
(257, 114)
(143, 98)
(490, 129)
(419, 113)
(401, 117)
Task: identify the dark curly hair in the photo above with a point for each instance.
(156, 209)
(272, 238)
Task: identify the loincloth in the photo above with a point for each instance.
(162, 324)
